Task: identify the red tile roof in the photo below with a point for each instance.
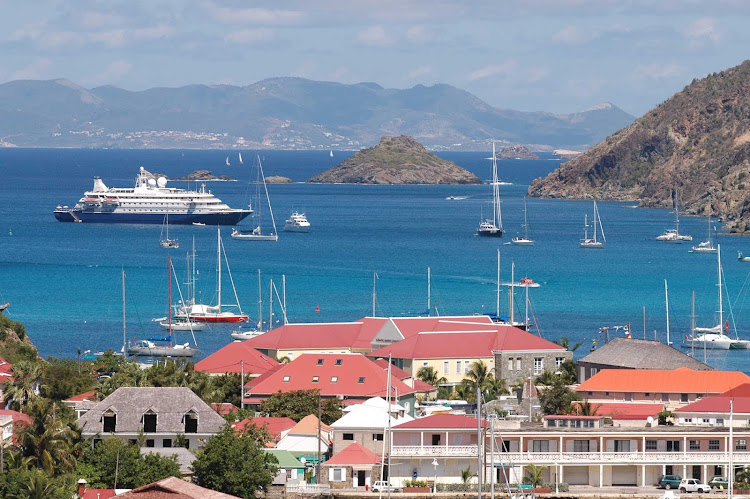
(98, 493)
(229, 360)
(441, 422)
(395, 371)
(720, 403)
(274, 426)
(5, 370)
(89, 395)
(332, 379)
(19, 418)
(309, 426)
(354, 454)
(463, 344)
(627, 411)
(341, 335)
(223, 408)
(682, 380)
(410, 326)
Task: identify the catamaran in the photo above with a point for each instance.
(257, 234)
(594, 242)
(673, 235)
(524, 241)
(493, 227)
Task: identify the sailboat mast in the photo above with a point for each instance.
(124, 333)
(270, 304)
(692, 325)
(260, 304)
(429, 306)
(193, 286)
(497, 291)
(512, 289)
(169, 295)
(218, 266)
(374, 293)
(595, 219)
(525, 221)
(283, 294)
(721, 301)
(666, 301)
(586, 227)
(496, 216)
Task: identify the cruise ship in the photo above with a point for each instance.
(148, 203)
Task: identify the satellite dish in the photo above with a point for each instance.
(650, 420)
(302, 460)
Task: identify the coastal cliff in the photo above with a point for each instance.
(694, 147)
(396, 160)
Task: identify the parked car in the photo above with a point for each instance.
(693, 485)
(384, 486)
(719, 481)
(670, 481)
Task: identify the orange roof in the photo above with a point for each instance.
(682, 380)
(230, 359)
(628, 411)
(309, 426)
(89, 395)
(354, 454)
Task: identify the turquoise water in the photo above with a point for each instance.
(63, 280)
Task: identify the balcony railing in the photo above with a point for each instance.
(436, 450)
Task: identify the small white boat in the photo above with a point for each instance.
(164, 239)
(245, 335)
(147, 348)
(524, 241)
(199, 224)
(673, 235)
(493, 227)
(182, 324)
(706, 246)
(257, 234)
(297, 222)
(595, 242)
(253, 235)
(742, 258)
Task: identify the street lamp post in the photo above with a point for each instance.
(434, 484)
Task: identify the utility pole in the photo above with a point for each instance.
(242, 381)
(480, 470)
(317, 463)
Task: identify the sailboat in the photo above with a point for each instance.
(493, 227)
(257, 234)
(215, 313)
(594, 242)
(706, 246)
(713, 337)
(227, 161)
(524, 241)
(163, 347)
(239, 156)
(331, 152)
(164, 239)
(673, 235)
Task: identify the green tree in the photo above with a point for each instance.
(585, 408)
(61, 380)
(38, 485)
(429, 375)
(235, 464)
(21, 389)
(481, 375)
(534, 475)
(114, 463)
(467, 475)
(565, 343)
(297, 404)
(557, 398)
(48, 442)
(666, 418)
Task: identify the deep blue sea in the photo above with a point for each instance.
(63, 279)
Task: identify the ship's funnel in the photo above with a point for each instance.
(99, 185)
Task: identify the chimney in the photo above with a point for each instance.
(81, 487)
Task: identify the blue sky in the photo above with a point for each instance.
(534, 55)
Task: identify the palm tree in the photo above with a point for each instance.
(547, 378)
(534, 475)
(563, 342)
(429, 375)
(585, 408)
(47, 441)
(467, 475)
(483, 377)
(38, 486)
(24, 385)
(495, 388)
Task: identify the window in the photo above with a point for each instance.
(505, 446)
(458, 367)
(149, 423)
(348, 436)
(665, 397)
(538, 365)
(334, 379)
(445, 367)
(699, 396)
(719, 421)
(627, 397)
(718, 471)
(320, 362)
(580, 445)
(191, 422)
(540, 446)
(337, 475)
(315, 379)
(687, 420)
(622, 445)
(150, 443)
(706, 421)
(339, 361)
(594, 370)
(684, 398)
(650, 444)
(361, 380)
(647, 394)
(562, 423)
(694, 445)
(425, 364)
(559, 361)
(377, 437)
(510, 364)
(467, 366)
(740, 444)
(588, 423)
(551, 423)
(591, 394)
(713, 445)
(673, 446)
(518, 363)
(110, 422)
(286, 379)
(435, 439)
(576, 423)
(167, 442)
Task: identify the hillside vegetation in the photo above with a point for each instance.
(693, 148)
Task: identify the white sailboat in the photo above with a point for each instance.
(227, 161)
(595, 242)
(524, 241)
(742, 258)
(706, 246)
(257, 234)
(673, 235)
(493, 227)
(164, 239)
(713, 338)
(331, 152)
(221, 312)
(239, 156)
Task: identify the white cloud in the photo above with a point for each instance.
(154, 32)
(419, 34)
(59, 39)
(257, 16)
(656, 71)
(492, 70)
(374, 36)
(419, 72)
(535, 74)
(570, 35)
(339, 74)
(703, 30)
(93, 20)
(250, 36)
(29, 32)
(37, 70)
(110, 38)
(114, 71)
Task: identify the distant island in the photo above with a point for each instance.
(566, 153)
(204, 175)
(396, 160)
(278, 179)
(517, 151)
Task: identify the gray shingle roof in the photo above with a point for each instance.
(169, 404)
(631, 353)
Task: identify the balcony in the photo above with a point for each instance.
(436, 450)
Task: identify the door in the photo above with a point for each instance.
(697, 472)
(576, 475)
(436, 440)
(624, 475)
